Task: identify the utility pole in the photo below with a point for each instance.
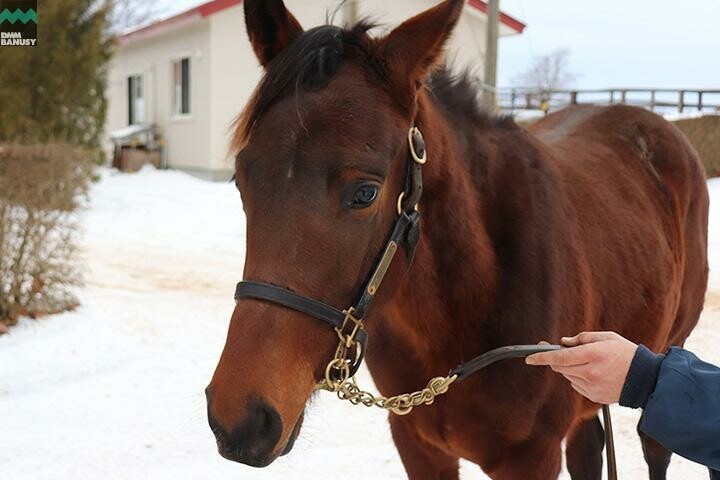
(491, 48)
(350, 11)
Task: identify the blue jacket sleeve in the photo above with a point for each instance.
(682, 411)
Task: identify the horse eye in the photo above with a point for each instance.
(364, 196)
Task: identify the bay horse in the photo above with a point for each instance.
(594, 218)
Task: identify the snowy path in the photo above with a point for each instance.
(115, 389)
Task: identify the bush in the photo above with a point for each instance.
(41, 189)
(704, 134)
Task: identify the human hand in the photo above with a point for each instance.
(596, 364)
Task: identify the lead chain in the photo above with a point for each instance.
(338, 380)
(398, 404)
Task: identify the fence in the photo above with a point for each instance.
(655, 99)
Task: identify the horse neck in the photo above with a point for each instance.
(453, 277)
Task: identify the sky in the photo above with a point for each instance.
(612, 43)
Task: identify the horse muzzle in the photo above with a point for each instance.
(254, 440)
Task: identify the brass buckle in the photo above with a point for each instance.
(338, 370)
(419, 160)
(355, 325)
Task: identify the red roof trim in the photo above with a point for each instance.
(511, 22)
(157, 27)
(207, 9)
(213, 6)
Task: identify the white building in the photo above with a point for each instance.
(192, 73)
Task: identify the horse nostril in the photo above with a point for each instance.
(254, 439)
(261, 429)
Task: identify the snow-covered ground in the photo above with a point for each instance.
(670, 115)
(114, 390)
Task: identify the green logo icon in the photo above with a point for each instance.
(18, 15)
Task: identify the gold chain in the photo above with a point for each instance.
(338, 380)
(398, 404)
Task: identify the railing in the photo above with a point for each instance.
(656, 99)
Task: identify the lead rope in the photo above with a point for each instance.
(609, 444)
(339, 381)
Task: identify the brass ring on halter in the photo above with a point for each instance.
(340, 366)
(399, 204)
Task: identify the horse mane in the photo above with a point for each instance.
(313, 58)
(457, 94)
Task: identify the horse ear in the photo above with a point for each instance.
(413, 48)
(270, 27)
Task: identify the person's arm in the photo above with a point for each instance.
(682, 409)
(679, 393)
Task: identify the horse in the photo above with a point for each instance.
(594, 218)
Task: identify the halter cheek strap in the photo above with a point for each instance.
(405, 233)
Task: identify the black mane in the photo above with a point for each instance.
(457, 94)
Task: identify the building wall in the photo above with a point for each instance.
(234, 73)
(466, 48)
(234, 70)
(187, 137)
(224, 72)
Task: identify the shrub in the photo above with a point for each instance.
(41, 190)
(704, 134)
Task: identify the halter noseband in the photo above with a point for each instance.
(348, 323)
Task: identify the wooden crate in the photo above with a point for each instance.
(133, 159)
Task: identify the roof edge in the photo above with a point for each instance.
(213, 6)
(181, 19)
(506, 19)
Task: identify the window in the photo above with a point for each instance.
(181, 86)
(136, 100)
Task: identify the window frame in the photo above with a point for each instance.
(175, 108)
(133, 79)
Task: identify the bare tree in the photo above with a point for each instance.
(549, 72)
(127, 14)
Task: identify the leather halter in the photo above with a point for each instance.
(405, 233)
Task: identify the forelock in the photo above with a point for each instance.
(308, 63)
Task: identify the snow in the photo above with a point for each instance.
(674, 116)
(115, 389)
(669, 115)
